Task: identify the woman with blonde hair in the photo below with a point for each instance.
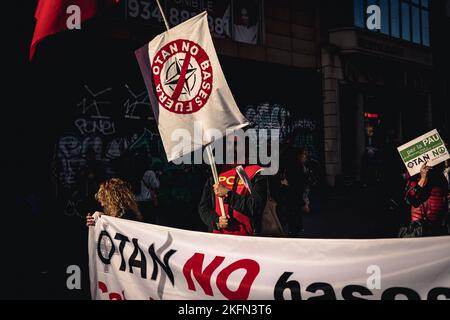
(117, 200)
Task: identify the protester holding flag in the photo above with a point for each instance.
(243, 207)
(191, 99)
(244, 191)
(117, 200)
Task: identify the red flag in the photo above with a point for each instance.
(51, 16)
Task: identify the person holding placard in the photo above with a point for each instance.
(427, 194)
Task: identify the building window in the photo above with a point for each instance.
(359, 13)
(416, 32)
(425, 28)
(405, 19)
(238, 20)
(247, 21)
(395, 18)
(384, 7)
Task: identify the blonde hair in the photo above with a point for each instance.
(116, 198)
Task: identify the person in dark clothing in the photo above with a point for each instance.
(370, 162)
(291, 190)
(91, 175)
(117, 200)
(144, 183)
(243, 204)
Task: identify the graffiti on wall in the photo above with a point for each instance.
(96, 132)
(96, 126)
(109, 129)
(303, 131)
(136, 104)
(93, 102)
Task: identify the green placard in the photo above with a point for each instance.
(428, 148)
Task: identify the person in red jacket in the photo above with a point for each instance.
(427, 194)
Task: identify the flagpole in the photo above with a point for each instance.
(212, 162)
(163, 15)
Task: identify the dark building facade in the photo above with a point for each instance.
(269, 53)
(379, 86)
(309, 68)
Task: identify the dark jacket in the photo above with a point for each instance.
(251, 205)
(130, 215)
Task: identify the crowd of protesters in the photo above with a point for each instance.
(244, 206)
(244, 211)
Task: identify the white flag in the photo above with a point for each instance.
(186, 85)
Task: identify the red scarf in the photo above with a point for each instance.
(241, 224)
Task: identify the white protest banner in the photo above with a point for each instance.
(132, 260)
(186, 86)
(428, 148)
